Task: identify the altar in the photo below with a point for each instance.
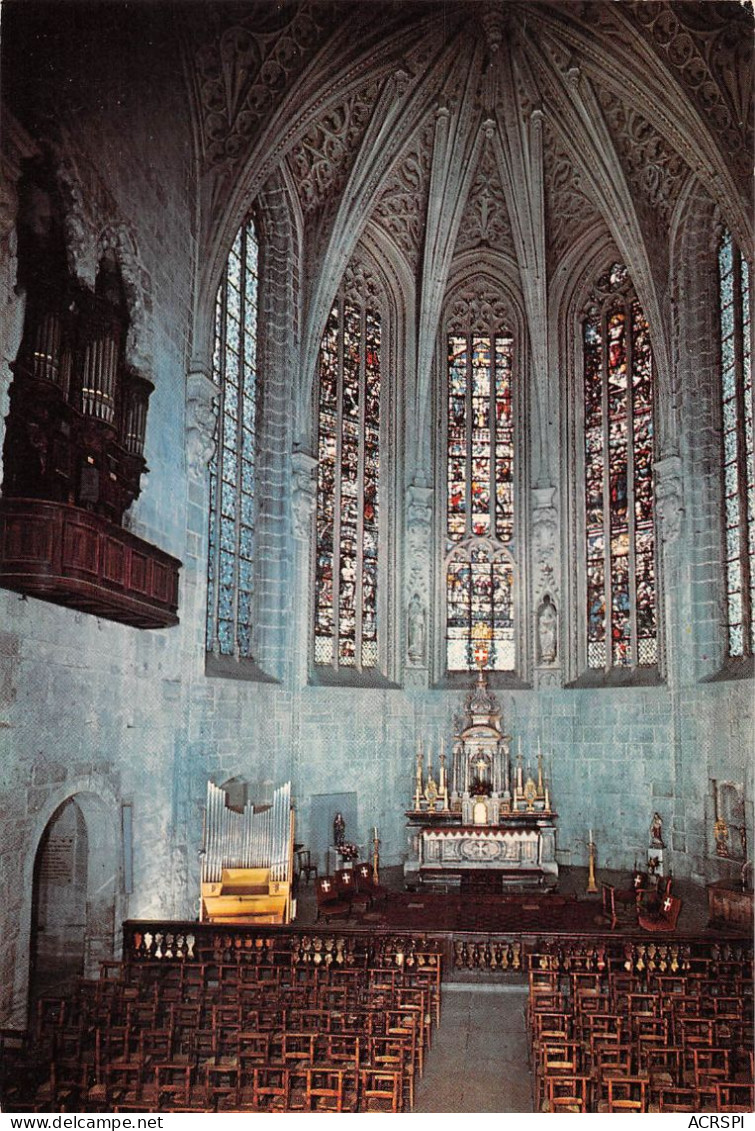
(483, 816)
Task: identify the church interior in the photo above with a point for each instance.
(377, 555)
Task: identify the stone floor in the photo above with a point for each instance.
(479, 1058)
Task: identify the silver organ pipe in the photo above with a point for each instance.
(248, 839)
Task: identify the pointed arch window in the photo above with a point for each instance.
(232, 468)
(348, 485)
(618, 390)
(479, 500)
(735, 327)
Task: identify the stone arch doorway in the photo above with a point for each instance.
(73, 896)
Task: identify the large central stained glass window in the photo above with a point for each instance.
(739, 458)
(618, 453)
(346, 577)
(232, 468)
(480, 501)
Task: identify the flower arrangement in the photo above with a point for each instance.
(348, 851)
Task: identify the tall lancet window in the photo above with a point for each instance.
(232, 477)
(348, 484)
(618, 455)
(480, 498)
(739, 470)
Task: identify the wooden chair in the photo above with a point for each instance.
(673, 1098)
(734, 1096)
(380, 1089)
(567, 1093)
(347, 885)
(665, 919)
(304, 865)
(626, 1093)
(622, 903)
(329, 903)
(378, 892)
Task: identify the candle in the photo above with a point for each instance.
(547, 799)
(374, 833)
(590, 839)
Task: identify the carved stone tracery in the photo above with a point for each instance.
(362, 285)
(570, 210)
(479, 309)
(402, 206)
(246, 70)
(320, 162)
(709, 47)
(655, 171)
(485, 220)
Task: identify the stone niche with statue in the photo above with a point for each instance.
(484, 816)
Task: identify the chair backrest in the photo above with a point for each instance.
(326, 889)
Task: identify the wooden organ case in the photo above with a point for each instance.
(73, 453)
(248, 860)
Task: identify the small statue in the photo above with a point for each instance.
(656, 831)
(546, 627)
(416, 619)
(339, 830)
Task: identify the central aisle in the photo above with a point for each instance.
(479, 1058)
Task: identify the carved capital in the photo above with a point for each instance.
(304, 492)
(669, 496)
(419, 510)
(201, 422)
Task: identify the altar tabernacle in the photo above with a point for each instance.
(491, 820)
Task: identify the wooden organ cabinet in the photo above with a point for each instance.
(74, 443)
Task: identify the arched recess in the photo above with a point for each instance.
(587, 260)
(59, 903)
(98, 811)
(485, 293)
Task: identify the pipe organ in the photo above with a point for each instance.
(248, 860)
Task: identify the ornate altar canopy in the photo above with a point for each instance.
(485, 817)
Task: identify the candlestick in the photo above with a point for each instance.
(592, 887)
(375, 857)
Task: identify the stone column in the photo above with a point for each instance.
(303, 499)
(417, 599)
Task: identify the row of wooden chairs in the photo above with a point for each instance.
(208, 1037)
(617, 1042)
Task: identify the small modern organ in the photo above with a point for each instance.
(247, 860)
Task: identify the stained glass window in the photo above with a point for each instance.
(480, 500)
(739, 470)
(232, 482)
(618, 451)
(346, 575)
